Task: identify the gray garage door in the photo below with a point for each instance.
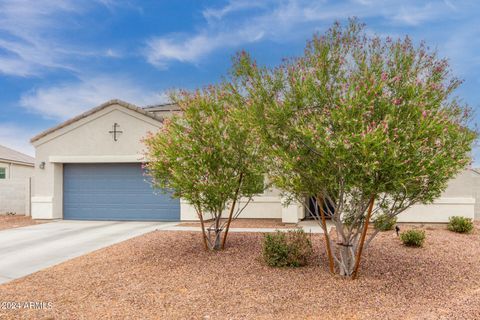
(113, 192)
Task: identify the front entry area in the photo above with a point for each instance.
(312, 212)
(114, 191)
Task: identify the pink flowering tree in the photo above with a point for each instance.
(362, 125)
(209, 158)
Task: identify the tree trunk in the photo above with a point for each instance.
(346, 260)
(217, 242)
(362, 239)
(204, 234)
(232, 208)
(325, 230)
(349, 246)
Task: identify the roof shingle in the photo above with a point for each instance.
(14, 156)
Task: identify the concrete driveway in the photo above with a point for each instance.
(29, 249)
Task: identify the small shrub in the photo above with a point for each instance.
(460, 224)
(384, 222)
(413, 238)
(275, 249)
(287, 249)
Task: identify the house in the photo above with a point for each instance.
(14, 164)
(16, 171)
(89, 168)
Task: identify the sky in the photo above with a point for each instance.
(59, 58)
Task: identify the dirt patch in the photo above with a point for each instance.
(248, 223)
(8, 222)
(167, 275)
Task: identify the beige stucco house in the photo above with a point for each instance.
(16, 172)
(90, 168)
(14, 164)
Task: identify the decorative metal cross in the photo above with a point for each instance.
(115, 131)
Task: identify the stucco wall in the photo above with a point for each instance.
(15, 196)
(87, 140)
(476, 194)
(457, 200)
(262, 207)
(21, 171)
(16, 170)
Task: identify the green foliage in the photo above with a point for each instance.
(203, 153)
(357, 115)
(206, 154)
(460, 224)
(413, 238)
(384, 222)
(287, 249)
(349, 219)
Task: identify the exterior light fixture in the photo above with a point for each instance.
(42, 165)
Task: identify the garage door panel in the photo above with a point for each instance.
(114, 192)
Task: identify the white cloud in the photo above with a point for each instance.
(24, 25)
(111, 53)
(461, 47)
(29, 35)
(416, 15)
(232, 6)
(69, 99)
(160, 51)
(281, 21)
(17, 137)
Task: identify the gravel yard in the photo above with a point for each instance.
(247, 223)
(7, 222)
(167, 275)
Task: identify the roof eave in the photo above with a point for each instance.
(32, 164)
(95, 110)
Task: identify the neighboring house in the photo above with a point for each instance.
(89, 168)
(14, 164)
(16, 171)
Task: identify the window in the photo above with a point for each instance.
(3, 173)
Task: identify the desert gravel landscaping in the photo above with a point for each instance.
(167, 275)
(8, 222)
(247, 223)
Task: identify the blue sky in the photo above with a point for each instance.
(59, 58)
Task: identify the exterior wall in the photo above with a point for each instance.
(457, 200)
(476, 193)
(86, 140)
(15, 196)
(264, 206)
(17, 170)
(439, 211)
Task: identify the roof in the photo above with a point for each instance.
(11, 155)
(162, 107)
(94, 110)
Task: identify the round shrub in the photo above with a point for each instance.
(275, 249)
(460, 224)
(413, 238)
(384, 222)
(287, 249)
